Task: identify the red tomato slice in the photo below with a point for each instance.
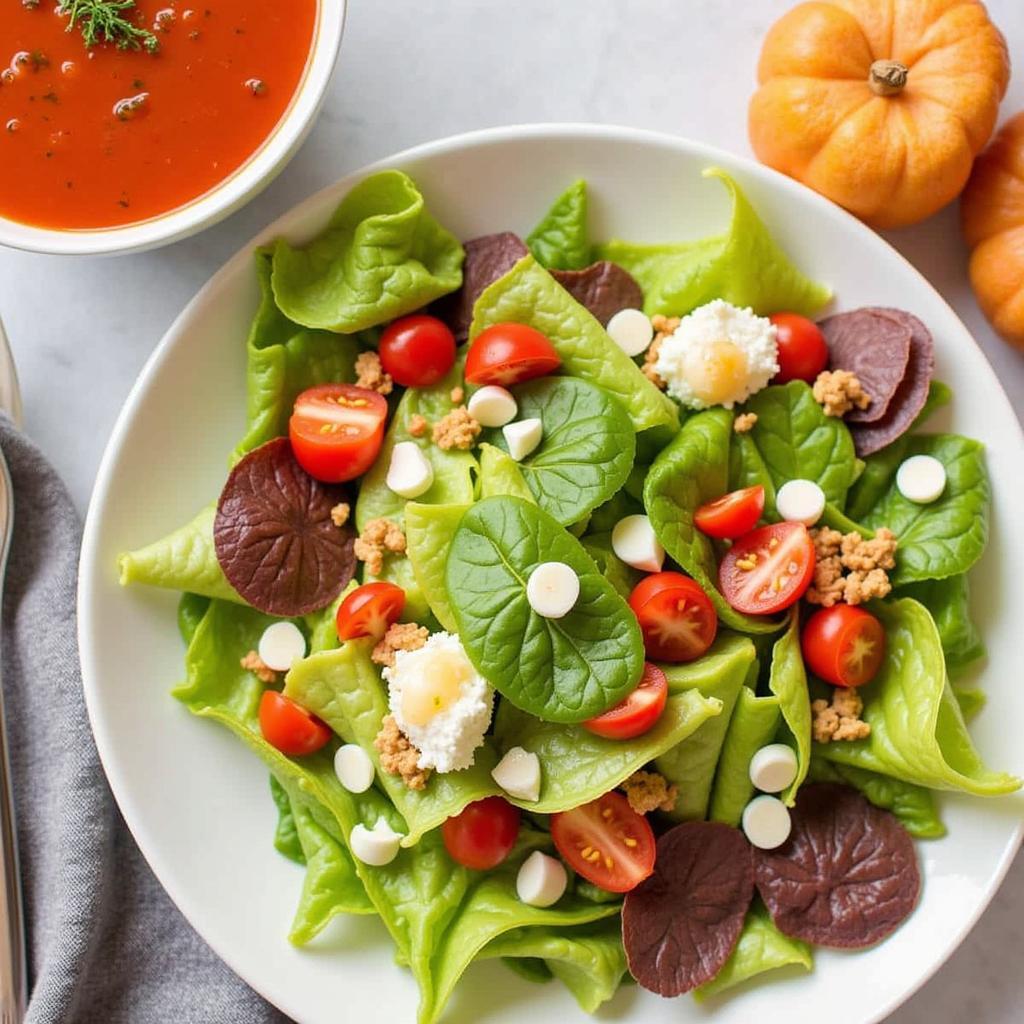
(768, 569)
(676, 617)
(732, 515)
(336, 431)
(844, 645)
(803, 352)
(483, 834)
(606, 842)
(369, 610)
(509, 353)
(638, 712)
(289, 726)
(417, 350)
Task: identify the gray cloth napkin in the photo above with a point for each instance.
(105, 943)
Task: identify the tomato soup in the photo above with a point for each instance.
(94, 137)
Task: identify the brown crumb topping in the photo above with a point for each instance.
(839, 391)
(378, 537)
(252, 662)
(744, 422)
(370, 374)
(456, 430)
(649, 791)
(849, 568)
(401, 636)
(340, 513)
(839, 719)
(457, 394)
(417, 425)
(663, 327)
(398, 756)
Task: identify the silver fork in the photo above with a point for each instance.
(13, 979)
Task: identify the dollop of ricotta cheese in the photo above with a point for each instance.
(440, 702)
(718, 355)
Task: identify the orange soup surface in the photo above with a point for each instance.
(98, 137)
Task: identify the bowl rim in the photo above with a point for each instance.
(244, 183)
(89, 565)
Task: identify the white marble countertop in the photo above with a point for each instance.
(82, 328)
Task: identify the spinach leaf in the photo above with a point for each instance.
(586, 450)
(562, 670)
(747, 469)
(948, 601)
(428, 534)
(559, 241)
(528, 294)
(382, 255)
(744, 266)
(788, 681)
(692, 470)
(286, 836)
(500, 474)
(917, 730)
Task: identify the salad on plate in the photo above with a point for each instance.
(592, 605)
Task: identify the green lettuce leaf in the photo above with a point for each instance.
(528, 294)
(586, 450)
(747, 469)
(692, 470)
(917, 730)
(191, 609)
(621, 576)
(744, 266)
(559, 241)
(562, 670)
(948, 601)
(428, 534)
(382, 255)
(286, 835)
(972, 701)
(788, 681)
(500, 474)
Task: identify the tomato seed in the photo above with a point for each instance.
(629, 841)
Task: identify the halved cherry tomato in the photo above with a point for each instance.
(676, 617)
(369, 610)
(803, 353)
(768, 569)
(606, 842)
(417, 350)
(638, 712)
(732, 515)
(289, 726)
(483, 834)
(336, 431)
(509, 353)
(844, 645)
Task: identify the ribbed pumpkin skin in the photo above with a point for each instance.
(893, 159)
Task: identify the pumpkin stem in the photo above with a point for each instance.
(887, 77)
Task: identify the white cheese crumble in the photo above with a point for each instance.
(718, 355)
(440, 702)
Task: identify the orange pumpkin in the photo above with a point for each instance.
(992, 214)
(881, 105)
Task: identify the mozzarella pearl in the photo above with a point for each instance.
(377, 846)
(518, 774)
(541, 880)
(280, 645)
(715, 372)
(522, 437)
(552, 589)
(493, 406)
(353, 767)
(436, 687)
(634, 541)
(773, 768)
(921, 479)
(410, 473)
(631, 330)
(766, 822)
(800, 501)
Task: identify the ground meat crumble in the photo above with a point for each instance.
(252, 662)
(840, 719)
(401, 636)
(663, 327)
(370, 374)
(417, 425)
(398, 756)
(849, 568)
(457, 394)
(649, 791)
(744, 422)
(456, 430)
(379, 536)
(839, 391)
(340, 513)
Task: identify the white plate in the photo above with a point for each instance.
(197, 801)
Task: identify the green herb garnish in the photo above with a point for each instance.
(103, 21)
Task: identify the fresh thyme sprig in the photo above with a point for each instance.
(103, 21)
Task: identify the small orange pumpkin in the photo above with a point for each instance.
(881, 105)
(992, 214)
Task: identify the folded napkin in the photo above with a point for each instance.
(105, 943)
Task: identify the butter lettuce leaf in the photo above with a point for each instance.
(428, 533)
(948, 601)
(381, 256)
(787, 680)
(559, 241)
(621, 576)
(744, 266)
(500, 474)
(286, 835)
(528, 294)
(191, 609)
